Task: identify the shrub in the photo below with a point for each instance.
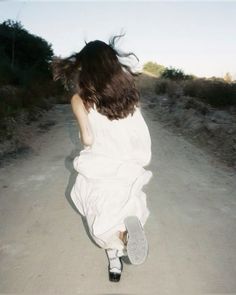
(175, 74)
(25, 76)
(161, 86)
(215, 92)
(167, 86)
(153, 68)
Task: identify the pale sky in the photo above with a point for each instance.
(197, 37)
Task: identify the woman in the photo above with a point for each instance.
(117, 145)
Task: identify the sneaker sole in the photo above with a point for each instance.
(137, 245)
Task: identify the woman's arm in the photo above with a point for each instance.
(82, 117)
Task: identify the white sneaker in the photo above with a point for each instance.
(137, 244)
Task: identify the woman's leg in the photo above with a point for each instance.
(115, 265)
(123, 236)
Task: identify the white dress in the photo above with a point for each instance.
(111, 176)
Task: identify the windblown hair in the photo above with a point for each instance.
(98, 77)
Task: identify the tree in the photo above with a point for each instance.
(153, 68)
(24, 56)
(228, 77)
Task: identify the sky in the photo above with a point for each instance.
(197, 37)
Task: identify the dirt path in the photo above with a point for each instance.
(44, 245)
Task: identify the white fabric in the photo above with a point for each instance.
(110, 176)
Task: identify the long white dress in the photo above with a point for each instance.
(111, 176)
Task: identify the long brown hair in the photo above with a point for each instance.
(98, 76)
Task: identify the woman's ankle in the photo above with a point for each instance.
(114, 260)
(123, 237)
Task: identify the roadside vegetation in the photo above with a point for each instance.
(216, 91)
(26, 85)
(202, 109)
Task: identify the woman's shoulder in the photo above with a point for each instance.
(93, 112)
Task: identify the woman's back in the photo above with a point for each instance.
(124, 139)
(120, 147)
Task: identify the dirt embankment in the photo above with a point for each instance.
(210, 128)
(23, 131)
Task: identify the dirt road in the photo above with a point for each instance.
(45, 247)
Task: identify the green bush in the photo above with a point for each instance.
(25, 72)
(175, 74)
(24, 57)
